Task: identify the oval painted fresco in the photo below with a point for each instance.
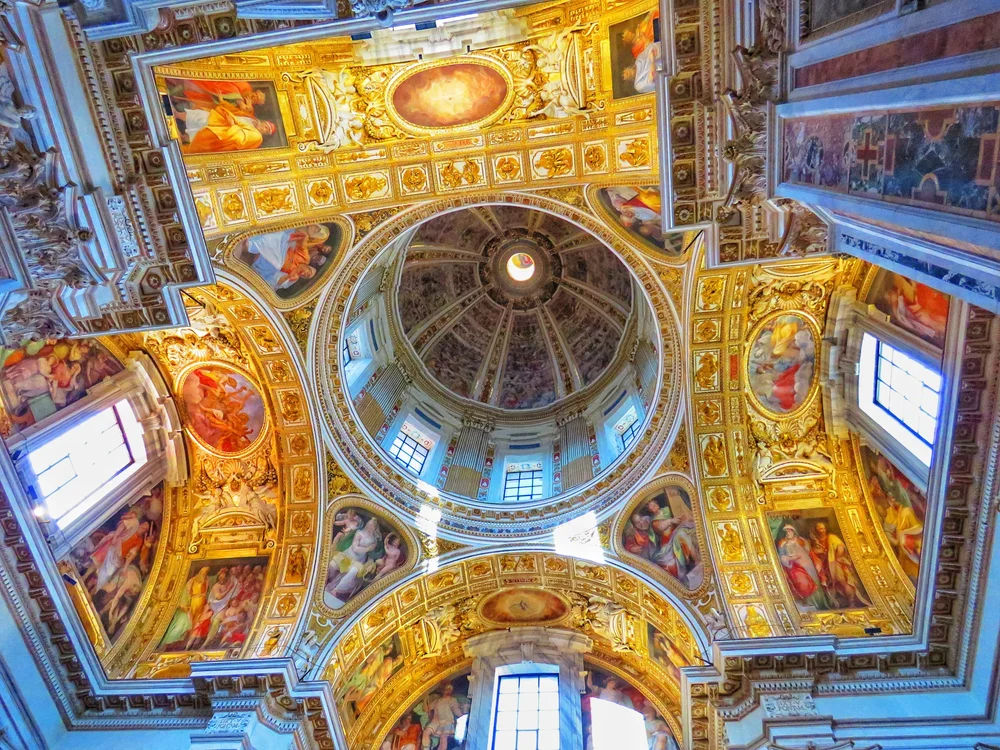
(782, 363)
(450, 96)
(224, 409)
(523, 605)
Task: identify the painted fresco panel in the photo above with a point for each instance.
(114, 560)
(528, 380)
(816, 151)
(817, 565)
(663, 652)
(901, 509)
(912, 306)
(942, 159)
(365, 549)
(450, 96)
(638, 211)
(41, 378)
(436, 714)
(635, 50)
(602, 685)
(224, 409)
(292, 261)
(220, 116)
(368, 678)
(782, 362)
(217, 605)
(662, 530)
(841, 13)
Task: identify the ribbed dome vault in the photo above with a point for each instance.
(515, 344)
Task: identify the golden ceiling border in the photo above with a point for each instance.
(622, 518)
(462, 517)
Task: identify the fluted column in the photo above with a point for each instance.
(469, 460)
(577, 459)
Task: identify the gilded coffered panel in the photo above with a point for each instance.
(794, 543)
(240, 538)
(423, 623)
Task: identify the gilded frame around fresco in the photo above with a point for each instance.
(751, 340)
(371, 591)
(227, 251)
(266, 425)
(405, 73)
(653, 571)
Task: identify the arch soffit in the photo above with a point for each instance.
(293, 445)
(475, 573)
(731, 436)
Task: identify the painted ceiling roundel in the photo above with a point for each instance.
(521, 288)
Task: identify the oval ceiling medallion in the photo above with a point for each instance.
(523, 604)
(781, 363)
(434, 97)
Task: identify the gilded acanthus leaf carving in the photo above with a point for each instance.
(769, 293)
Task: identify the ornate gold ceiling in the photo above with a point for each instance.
(690, 538)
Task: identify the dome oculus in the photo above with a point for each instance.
(520, 267)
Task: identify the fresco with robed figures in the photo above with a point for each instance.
(113, 562)
(365, 549)
(901, 508)
(602, 685)
(436, 716)
(217, 605)
(817, 565)
(662, 530)
(219, 116)
(292, 261)
(43, 377)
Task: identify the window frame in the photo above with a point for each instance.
(404, 440)
(630, 433)
(500, 678)
(537, 480)
(880, 357)
(108, 494)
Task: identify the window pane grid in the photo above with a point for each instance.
(527, 713)
(408, 452)
(908, 391)
(522, 485)
(630, 433)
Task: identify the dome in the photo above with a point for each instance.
(512, 307)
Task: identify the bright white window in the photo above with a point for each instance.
(526, 716)
(411, 447)
(523, 481)
(616, 727)
(901, 394)
(78, 467)
(627, 427)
